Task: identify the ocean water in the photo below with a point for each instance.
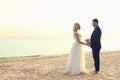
(15, 47)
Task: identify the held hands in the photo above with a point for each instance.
(88, 42)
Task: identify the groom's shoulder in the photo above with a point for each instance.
(98, 28)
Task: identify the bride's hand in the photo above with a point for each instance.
(86, 44)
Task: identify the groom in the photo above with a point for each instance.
(96, 45)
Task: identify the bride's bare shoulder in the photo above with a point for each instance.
(77, 34)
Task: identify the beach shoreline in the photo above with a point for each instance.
(63, 54)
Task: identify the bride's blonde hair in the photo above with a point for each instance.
(74, 27)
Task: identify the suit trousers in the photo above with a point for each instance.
(96, 57)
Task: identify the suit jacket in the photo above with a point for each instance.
(96, 38)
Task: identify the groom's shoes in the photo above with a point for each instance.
(95, 72)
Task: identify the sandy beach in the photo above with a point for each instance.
(52, 68)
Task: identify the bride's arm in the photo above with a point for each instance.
(78, 40)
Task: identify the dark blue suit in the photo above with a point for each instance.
(96, 46)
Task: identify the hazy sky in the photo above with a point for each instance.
(51, 18)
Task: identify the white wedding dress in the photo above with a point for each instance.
(76, 61)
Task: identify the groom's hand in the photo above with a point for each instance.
(88, 42)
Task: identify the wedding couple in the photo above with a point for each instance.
(76, 61)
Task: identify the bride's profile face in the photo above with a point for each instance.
(78, 27)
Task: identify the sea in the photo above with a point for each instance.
(21, 46)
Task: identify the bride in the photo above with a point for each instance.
(76, 61)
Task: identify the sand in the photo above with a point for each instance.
(52, 68)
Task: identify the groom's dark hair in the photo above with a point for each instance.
(95, 20)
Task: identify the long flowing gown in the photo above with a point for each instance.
(76, 60)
